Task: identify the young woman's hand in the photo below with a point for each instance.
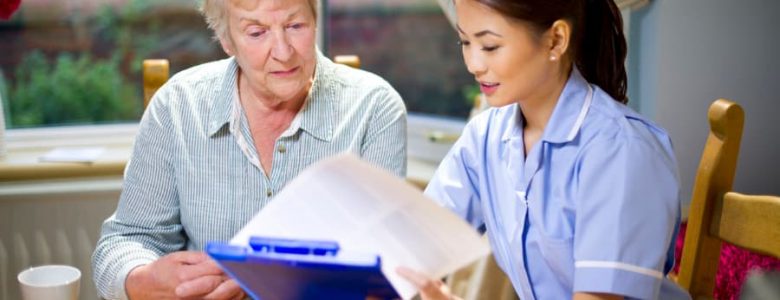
(430, 289)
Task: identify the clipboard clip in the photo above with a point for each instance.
(322, 253)
(291, 246)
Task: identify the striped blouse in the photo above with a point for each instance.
(194, 175)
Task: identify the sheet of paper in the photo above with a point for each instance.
(73, 154)
(369, 210)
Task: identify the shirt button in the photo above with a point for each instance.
(268, 192)
(282, 149)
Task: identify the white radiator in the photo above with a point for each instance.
(52, 222)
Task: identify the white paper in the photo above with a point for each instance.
(73, 154)
(366, 209)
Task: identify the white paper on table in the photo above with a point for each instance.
(73, 154)
(367, 209)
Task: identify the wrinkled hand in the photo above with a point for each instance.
(206, 280)
(430, 289)
(181, 275)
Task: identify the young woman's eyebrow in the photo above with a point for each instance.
(486, 32)
(479, 34)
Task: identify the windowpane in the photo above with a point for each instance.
(411, 44)
(79, 62)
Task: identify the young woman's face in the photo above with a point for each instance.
(507, 59)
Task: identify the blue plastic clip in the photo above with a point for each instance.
(289, 246)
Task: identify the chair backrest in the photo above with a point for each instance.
(156, 73)
(349, 60)
(751, 222)
(714, 179)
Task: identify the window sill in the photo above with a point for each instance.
(25, 147)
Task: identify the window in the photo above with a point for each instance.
(411, 44)
(78, 62)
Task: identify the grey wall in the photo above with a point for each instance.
(687, 53)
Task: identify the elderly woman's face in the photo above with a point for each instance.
(273, 42)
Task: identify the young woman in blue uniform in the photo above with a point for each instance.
(578, 193)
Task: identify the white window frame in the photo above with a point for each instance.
(71, 136)
(429, 136)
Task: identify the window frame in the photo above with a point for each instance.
(429, 137)
(427, 130)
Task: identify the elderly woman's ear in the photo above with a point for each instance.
(227, 45)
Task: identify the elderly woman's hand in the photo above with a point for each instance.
(182, 275)
(430, 289)
(206, 280)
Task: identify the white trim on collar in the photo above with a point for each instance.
(581, 117)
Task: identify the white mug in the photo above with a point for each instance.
(55, 282)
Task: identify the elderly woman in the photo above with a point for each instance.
(221, 139)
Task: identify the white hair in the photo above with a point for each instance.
(214, 11)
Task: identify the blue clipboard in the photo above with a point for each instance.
(272, 268)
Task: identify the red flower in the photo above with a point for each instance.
(8, 7)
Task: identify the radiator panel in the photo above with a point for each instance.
(54, 226)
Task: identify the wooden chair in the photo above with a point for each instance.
(349, 60)
(717, 215)
(156, 73)
(751, 222)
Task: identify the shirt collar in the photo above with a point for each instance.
(222, 104)
(566, 118)
(315, 117)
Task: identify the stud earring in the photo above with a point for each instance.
(553, 58)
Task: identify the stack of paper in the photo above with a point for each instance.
(73, 154)
(367, 209)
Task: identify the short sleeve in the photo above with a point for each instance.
(385, 142)
(455, 183)
(627, 208)
(146, 224)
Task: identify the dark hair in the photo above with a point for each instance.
(598, 46)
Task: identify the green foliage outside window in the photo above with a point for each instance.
(70, 91)
(101, 83)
